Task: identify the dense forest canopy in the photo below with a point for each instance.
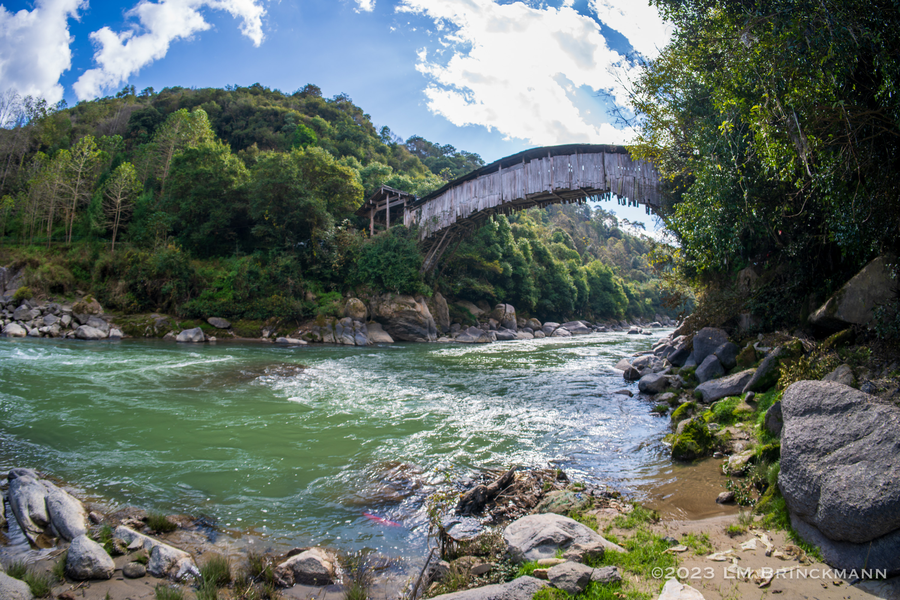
(239, 202)
(776, 125)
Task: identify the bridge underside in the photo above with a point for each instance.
(535, 178)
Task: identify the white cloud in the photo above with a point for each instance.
(120, 55)
(34, 47)
(365, 5)
(520, 70)
(637, 21)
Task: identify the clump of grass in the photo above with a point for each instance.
(207, 591)
(141, 557)
(527, 568)
(160, 523)
(260, 568)
(40, 584)
(105, 538)
(216, 571)
(646, 551)
(164, 592)
(700, 544)
(59, 567)
(735, 530)
(638, 516)
(585, 519)
(17, 569)
(359, 574)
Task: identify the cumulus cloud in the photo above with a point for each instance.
(119, 55)
(522, 70)
(34, 47)
(637, 21)
(365, 5)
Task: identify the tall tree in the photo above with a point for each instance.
(80, 175)
(119, 193)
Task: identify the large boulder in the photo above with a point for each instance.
(86, 332)
(570, 577)
(474, 335)
(356, 309)
(716, 389)
(505, 314)
(469, 306)
(561, 332)
(13, 589)
(854, 303)
(706, 341)
(577, 328)
(709, 369)
(377, 335)
(727, 354)
(189, 336)
(25, 313)
(405, 318)
(165, 560)
(27, 501)
(521, 588)
(219, 323)
(840, 459)
(86, 559)
(440, 311)
(653, 383)
(540, 536)
(311, 567)
(14, 330)
(67, 516)
(98, 323)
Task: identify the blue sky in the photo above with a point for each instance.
(488, 76)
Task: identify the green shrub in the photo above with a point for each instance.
(23, 293)
(160, 523)
(391, 262)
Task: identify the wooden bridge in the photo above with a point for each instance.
(538, 177)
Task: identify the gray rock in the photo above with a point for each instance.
(191, 336)
(86, 332)
(538, 334)
(774, 420)
(165, 560)
(623, 364)
(13, 589)
(469, 306)
(405, 318)
(66, 513)
(50, 320)
(292, 341)
(533, 323)
(654, 383)
(855, 302)
(135, 570)
(27, 502)
(534, 537)
(220, 323)
(14, 330)
(521, 588)
(880, 553)
(570, 577)
(549, 327)
(680, 354)
(840, 460)
(525, 335)
(474, 335)
(737, 464)
(725, 498)
(716, 389)
(606, 575)
(505, 315)
(624, 392)
(727, 354)
(706, 341)
(766, 374)
(98, 323)
(709, 369)
(577, 328)
(377, 335)
(115, 334)
(631, 374)
(25, 313)
(312, 567)
(505, 335)
(86, 559)
(843, 374)
(561, 332)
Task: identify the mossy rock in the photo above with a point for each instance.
(791, 349)
(764, 504)
(140, 326)
(769, 452)
(747, 357)
(838, 340)
(695, 441)
(683, 412)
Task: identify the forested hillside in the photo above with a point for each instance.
(239, 203)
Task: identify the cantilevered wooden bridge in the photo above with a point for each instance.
(538, 177)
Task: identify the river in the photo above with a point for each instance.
(305, 445)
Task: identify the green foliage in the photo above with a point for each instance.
(58, 570)
(722, 412)
(815, 366)
(391, 262)
(23, 293)
(638, 516)
(770, 123)
(17, 569)
(160, 523)
(216, 571)
(168, 592)
(695, 441)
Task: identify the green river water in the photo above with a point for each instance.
(303, 445)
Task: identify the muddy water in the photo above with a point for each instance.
(322, 445)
